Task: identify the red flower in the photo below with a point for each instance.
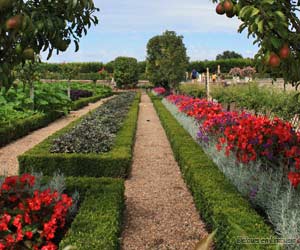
(294, 179)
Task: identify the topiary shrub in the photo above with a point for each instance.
(126, 72)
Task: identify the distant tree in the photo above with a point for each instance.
(166, 59)
(228, 55)
(126, 72)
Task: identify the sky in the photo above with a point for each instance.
(125, 27)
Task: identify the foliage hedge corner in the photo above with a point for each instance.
(82, 102)
(221, 206)
(115, 163)
(97, 224)
(23, 127)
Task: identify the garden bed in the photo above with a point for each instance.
(221, 206)
(115, 163)
(97, 224)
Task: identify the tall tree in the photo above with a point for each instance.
(228, 55)
(29, 27)
(166, 59)
(275, 26)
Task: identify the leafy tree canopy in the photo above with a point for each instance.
(228, 55)
(167, 60)
(275, 26)
(31, 26)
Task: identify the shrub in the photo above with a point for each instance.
(98, 222)
(115, 163)
(77, 94)
(96, 132)
(195, 90)
(126, 71)
(20, 128)
(220, 204)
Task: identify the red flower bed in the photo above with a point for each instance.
(30, 218)
(159, 90)
(247, 136)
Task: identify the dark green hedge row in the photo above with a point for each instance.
(82, 102)
(97, 224)
(23, 127)
(115, 163)
(225, 65)
(220, 204)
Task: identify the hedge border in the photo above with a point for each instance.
(98, 222)
(23, 127)
(221, 206)
(115, 163)
(82, 102)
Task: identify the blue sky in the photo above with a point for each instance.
(126, 26)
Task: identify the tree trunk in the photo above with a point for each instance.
(31, 93)
(69, 89)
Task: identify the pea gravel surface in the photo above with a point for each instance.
(160, 213)
(9, 154)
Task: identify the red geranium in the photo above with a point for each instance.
(30, 217)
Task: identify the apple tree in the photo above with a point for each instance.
(275, 27)
(28, 27)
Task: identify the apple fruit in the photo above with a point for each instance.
(14, 22)
(284, 52)
(28, 53)
(220, 9)
(230, 14)
(274, 60)
(228, 6)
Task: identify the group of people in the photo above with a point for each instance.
(196, 76)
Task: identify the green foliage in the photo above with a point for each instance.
(274, 25)
(96, 133)
(126, 71)
(51, 102)
(228, 55)
(28, 28)
(23, 126)
(220, 204)
(166, 59)
(98, 222)
(195, 90)
(225, 65)
(259, 99)
(115, 163)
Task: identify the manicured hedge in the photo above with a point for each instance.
(221, 206)
(115, 163)
(82, 102)
(97, 224)
(23, 127)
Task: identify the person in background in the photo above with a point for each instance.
(194, 75)
(214, 77)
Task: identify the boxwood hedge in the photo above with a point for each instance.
(115, 163)
(23, 127)
(82, 102)
(97, 224)
(221, 206)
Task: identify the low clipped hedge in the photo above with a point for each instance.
(82, 102)
(221, 206)
(97, 224)
(23, 127)
(115, 163)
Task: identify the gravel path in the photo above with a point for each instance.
(8, 154)
(160, 212)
